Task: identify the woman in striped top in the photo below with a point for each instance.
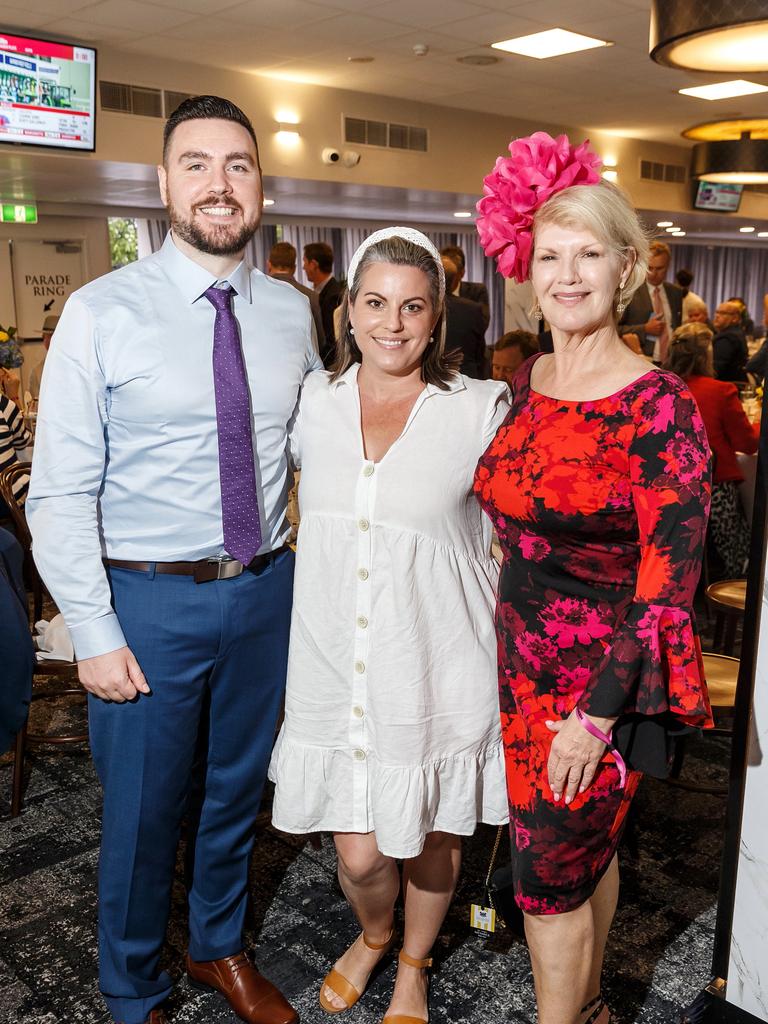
(13, 437)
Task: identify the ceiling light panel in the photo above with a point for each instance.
(553, 43)
(724, 90)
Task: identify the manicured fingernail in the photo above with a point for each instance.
(568, 799)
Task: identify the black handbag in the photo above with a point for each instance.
(500, 891)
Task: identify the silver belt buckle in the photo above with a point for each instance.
(227, 568)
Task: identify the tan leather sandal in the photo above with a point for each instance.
(420, 965)
(343, 988)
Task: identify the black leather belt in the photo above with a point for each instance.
(204, 571)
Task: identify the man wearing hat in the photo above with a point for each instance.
(49, 326)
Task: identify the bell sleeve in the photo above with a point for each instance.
(652, 664)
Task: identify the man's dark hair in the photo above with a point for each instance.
(199, 108)
(453, 252)
(282, 256)
(322, 253)
(684, 278)
(527, 343)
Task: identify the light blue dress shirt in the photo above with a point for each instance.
(126, 457)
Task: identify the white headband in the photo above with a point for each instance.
(410, 235)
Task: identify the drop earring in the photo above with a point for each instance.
(621, 305)
(537, 313)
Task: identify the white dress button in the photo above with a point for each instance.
(359, 667)
(363, 524)
(362, 622)
(368, 470)
(362, 574)
(359, 755)
(357, 711)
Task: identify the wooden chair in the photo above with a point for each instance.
(57, 679)
(8, 477)
(727, 599)
(722, 674)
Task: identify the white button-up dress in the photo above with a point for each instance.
(392, 717)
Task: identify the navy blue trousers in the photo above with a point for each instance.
(215, 656)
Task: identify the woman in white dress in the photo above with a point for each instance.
(391, 737)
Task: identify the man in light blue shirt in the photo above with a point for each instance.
(157, 507)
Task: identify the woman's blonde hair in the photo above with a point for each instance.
(606, 210)
(690, 352)
(438, 367)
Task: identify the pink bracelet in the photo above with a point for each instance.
(600, 735)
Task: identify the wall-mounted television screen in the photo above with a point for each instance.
(47, 93)
(717, 196)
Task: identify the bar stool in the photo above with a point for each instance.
(722, 674)
(727, 598)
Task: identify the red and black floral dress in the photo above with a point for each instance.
(601, 510)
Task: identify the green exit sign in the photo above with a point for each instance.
(18, 213)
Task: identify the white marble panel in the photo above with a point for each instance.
(748, 966)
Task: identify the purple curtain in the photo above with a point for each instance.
(722, 272)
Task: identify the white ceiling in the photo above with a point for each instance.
(614, 88)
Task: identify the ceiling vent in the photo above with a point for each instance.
(361, 132)
(652, 171)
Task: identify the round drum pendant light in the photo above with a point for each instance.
(710, 35)
(734, 151)
(743, 162)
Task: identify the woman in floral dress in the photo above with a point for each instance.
(598, 485)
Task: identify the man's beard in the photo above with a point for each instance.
(212, 242)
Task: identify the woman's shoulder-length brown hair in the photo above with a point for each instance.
(438, 367)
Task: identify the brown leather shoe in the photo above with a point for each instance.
(253, 998)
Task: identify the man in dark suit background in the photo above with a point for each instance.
(281, 264)
(318, 266)
(17, 653)
(475, 291)
(465, 329)
(656, 308)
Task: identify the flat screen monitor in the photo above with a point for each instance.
(47, 93)
(718, 196)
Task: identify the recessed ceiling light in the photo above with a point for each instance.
(664, 224)
(672, 230)
(679, 234)
(267, 202)
(479, 60)
(360, 60)
(762, 234)
(553, 43)
(746, 231)
(610, 174)
(724, 90)
(464, 214)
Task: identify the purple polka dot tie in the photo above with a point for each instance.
(237, 471)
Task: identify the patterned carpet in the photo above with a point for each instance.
(657, 962)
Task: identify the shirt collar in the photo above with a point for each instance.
(193, 280)
(455, 383)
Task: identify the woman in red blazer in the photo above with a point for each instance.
(728, 431)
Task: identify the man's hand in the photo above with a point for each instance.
(115, 676)
(655, 324)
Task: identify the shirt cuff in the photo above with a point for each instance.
(99, 636)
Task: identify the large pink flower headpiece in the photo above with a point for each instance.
(538, 166)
